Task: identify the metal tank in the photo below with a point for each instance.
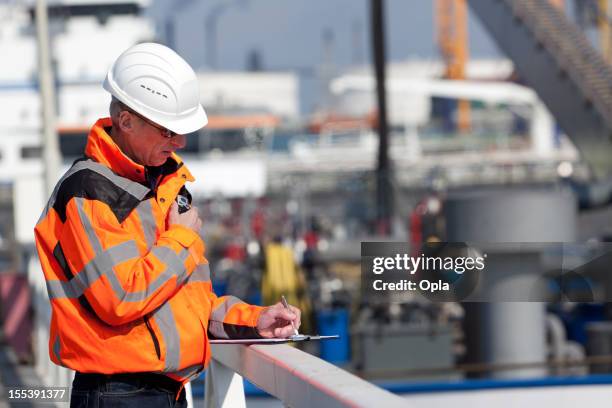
(501, 332)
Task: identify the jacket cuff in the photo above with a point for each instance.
(256, 311)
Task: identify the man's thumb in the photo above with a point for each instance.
(173, 213)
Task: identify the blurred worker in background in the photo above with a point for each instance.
(130, 290)
(283, 277)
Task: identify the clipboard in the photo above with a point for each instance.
(296, 339)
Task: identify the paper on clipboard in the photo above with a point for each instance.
(298, 338)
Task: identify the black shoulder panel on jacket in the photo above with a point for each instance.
(88, 184)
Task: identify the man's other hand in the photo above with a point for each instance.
(275, 321)
(189, 218)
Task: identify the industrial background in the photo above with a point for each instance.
(333, 123)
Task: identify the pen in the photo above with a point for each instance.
(284, 302)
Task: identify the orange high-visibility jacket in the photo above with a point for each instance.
(128, 293)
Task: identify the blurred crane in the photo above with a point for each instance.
(603, 26)
(595, 14)
(560, 4)
(453, 41)
(452, 37)
(559, 62)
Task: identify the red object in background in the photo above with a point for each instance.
(416, 228)
(258, 223)
(383, 227)
(235, 252)
(311, 239)
(16, 317)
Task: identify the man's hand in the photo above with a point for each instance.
(189, 218)
(275, 321)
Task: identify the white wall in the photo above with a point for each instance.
(84, 48)
(227, 176)
(277, 93)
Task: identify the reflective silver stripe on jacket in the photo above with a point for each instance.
(167, 326)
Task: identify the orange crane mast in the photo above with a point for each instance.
(603, 26)
(452, 37)
(558, 3)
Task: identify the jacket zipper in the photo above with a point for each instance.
(154, 337)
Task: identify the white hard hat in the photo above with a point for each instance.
(157, 83)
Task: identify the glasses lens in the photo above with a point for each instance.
(167, 133)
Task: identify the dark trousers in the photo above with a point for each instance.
(126, 390)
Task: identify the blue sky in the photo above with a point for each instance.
(289, 33)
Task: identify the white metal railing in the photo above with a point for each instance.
(296, 378)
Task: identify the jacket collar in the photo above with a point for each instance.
(103, 149)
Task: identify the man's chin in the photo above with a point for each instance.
(161, 159)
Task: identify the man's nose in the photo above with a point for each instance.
(179, 141)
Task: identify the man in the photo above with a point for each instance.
(132, 302)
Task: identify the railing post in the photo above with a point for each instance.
(223, 387)
(189, 395)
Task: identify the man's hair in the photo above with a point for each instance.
(115, 109)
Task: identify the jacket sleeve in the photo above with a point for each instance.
(231, 318)
(120, 278)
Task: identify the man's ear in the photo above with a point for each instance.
(126, 122)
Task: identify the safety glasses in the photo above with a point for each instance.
(167, 133)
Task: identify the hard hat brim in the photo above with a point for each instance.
(189, 124)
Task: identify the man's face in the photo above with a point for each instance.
(150, 144)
